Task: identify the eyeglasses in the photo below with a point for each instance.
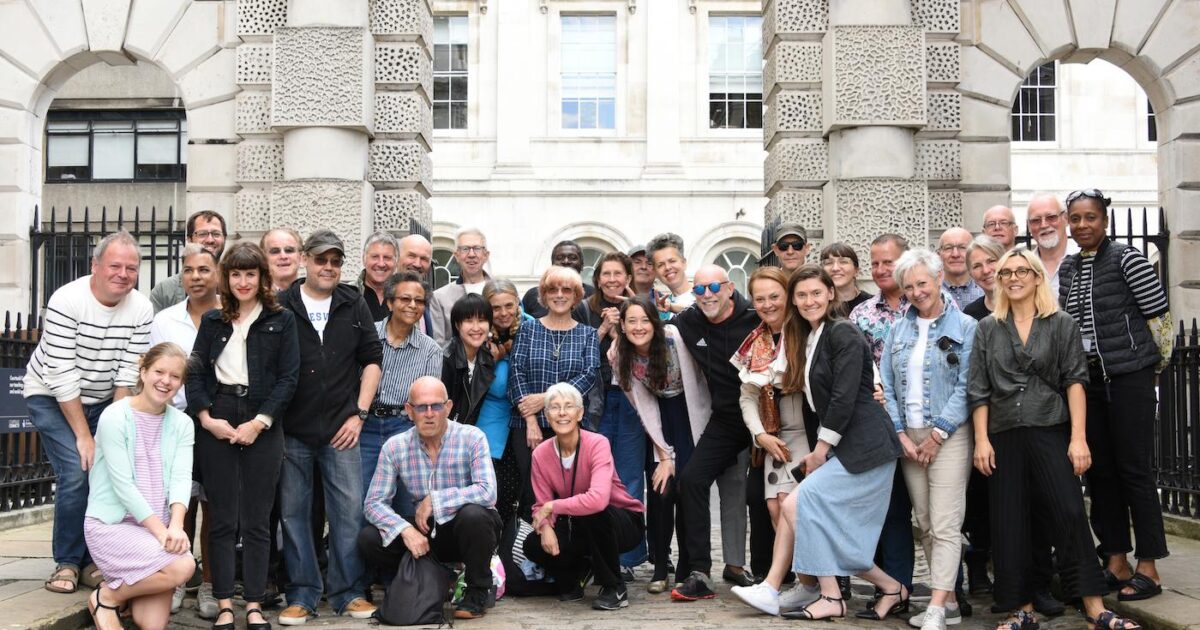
(275, 251)
(408, 299)
(792, 245)
(563, 408)
(424, 409)
(1050, 219)
(1090, 193)
(945, 345)
(1020, 272)
(991, 225)
(208, 234)
(471, 249)
(952, 248)
(336, 261)
(711, 287)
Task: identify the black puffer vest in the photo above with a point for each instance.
(1123, 337)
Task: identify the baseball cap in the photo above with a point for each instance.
(791, 229)
(322, 241)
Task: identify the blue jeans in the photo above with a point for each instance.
(341, 475)
(894, 554)
(623, 428)
(71, 486)
(375, 432)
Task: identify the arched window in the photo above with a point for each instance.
(740, 263)
(445, 267)
(591, 258)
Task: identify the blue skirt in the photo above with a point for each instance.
(838, 519)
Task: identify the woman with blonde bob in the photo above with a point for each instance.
(1028, 373)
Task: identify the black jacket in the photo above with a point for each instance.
(327, 393)
(465, 390)
(272, 363)
(843, 387)
(712, 345)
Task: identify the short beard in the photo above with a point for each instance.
(1048, 242)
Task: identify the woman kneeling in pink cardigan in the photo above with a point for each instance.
(582, 509)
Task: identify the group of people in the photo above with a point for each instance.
(968, 395)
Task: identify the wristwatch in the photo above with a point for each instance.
(362, 414)
(942, 434)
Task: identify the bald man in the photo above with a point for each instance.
(712, 329)
(416, 254)
(1000, 224)
(952, 248)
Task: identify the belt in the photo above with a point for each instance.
(386, 411)
(240, 391)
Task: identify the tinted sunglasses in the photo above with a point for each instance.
(1090, 193)
(424, 409)
(711, 287)
(944, 346)
(792, 245)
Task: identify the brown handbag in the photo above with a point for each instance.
(768, 413)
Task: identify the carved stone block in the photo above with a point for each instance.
(937, 16)
(796, 163)
(794, 19)
(254, 64)
(399, 165)
(259, 161)
(253, 113)
(793, 112)
(866, 208)
(337, 205)
(942, 61)
(939, 160)
(403, 116)
(402, 20)
(260, 17)
(321, 77)
(875, 76)
(945, 209)
(404, 66)
(394, 209)
(944, 111)
(797, 206)
(253, 210)
(791, 65)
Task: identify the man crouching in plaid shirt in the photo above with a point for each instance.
(448, 469)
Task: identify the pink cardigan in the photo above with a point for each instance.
(596, 484)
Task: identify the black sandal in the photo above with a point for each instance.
(223, 626)
(264, 625)
(1143, 588)
(1022, 620)
(1109, 620)
(898, 608)
(804, 613)
(1114, 583)
(99, 605)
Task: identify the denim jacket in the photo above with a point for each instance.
(945, 384)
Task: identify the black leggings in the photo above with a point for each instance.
(601, 537)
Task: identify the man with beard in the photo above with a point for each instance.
(1048, 227)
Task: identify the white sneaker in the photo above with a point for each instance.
(953, 617)
(798, 596)
(177, 599)
(761, 596)
(935, 618)
(206, 604)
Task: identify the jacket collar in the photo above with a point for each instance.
(456, 352)
(951, 327)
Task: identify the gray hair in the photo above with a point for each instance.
(987, 244)
(496, 286)
(381, 237)
(122, 237)
(191, 249)
(663, 241)
(464, 231)
(566, 391)
(913, 258)
(1041, 194)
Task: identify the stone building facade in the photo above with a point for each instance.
(878, 115)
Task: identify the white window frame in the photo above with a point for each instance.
(704, 74)
(472, 57)
(1060, 105)
(555, 12)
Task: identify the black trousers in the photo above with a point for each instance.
(978, 529)
(240, 484)
(1032, 475)
(470, 538)
(1120, 434)
(664, 516)
(596, 540)
(762, 530)
(717, 450)
(524, 458)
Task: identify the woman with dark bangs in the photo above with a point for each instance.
(250, 341)
(840, 261)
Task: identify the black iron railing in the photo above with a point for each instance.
(26, 478)
(1177, 434)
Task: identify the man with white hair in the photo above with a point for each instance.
(1000, 224)
(1047, 219)
(471, 252)
(380, 253)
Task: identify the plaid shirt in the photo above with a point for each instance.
(542, 357)
(874, 318)
(463, 475)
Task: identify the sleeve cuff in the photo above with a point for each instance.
(945, 425)
(829, 436)
(265, 419)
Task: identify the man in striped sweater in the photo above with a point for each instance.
(95, 330)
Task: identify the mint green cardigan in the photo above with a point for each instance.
(114, 490)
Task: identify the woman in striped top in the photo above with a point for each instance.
(140, 486)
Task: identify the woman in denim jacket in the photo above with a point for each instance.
(924, 372)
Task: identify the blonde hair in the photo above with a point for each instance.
(164, 350)
(1044, 302)
(560, 276)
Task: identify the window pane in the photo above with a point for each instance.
(716, 114)
(608, 118)
(458, 116)
(459, 30)
(441, 116)
(112, 155)
(735, 71)
(754, 114)
(67, 151)
(66, 125)
(183, 145)
(441, 30)
(570, 114)
(588, 71)
(737, 114)
(157, 148)
(441, 57)
(157, 125)
(458, 88)
(587, 114)
(441, 88)
(458, 57)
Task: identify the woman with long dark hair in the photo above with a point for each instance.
(247, 363)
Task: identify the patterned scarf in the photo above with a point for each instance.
(758, 350)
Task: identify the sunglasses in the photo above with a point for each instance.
(1090, 193)
(792, 245)
(944, 346)
(711, 287)
(424, 409)
(275, 251)
(775, 475)
(336, 261)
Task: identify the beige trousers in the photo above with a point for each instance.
(939, 500)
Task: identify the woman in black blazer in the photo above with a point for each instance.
(834, 519)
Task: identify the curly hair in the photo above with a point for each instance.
(245, 256)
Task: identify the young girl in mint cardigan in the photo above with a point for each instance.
(140, 485)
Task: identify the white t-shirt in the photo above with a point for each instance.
(914, 398)
(474, 287)
(318, 312)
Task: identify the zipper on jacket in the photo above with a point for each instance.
(1129, 332)
(1096, 338)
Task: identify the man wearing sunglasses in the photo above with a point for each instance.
(791, 246)
(340, 358)
(204, 228)
(712, 330)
